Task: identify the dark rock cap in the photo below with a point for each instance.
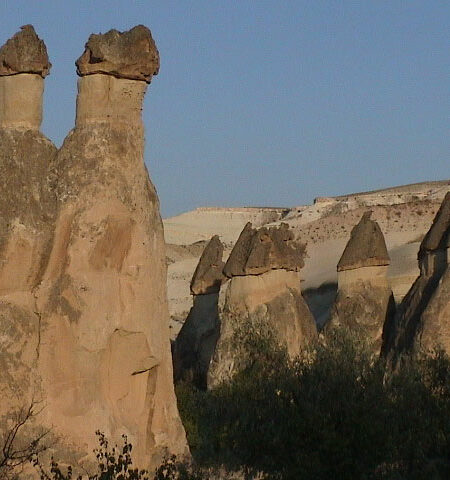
(438, 236)
(208, 275)
(25, 52)
(131, 55)
(268, 248)
(366, 247)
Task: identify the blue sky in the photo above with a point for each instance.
(269, 102)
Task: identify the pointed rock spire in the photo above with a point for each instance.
(366, 247)
(208, 275)
(438, 237)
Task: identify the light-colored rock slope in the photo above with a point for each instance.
(404, 214)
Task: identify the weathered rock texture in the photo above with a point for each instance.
(132, 55)
(264, 291)
(105, 352)
(364, 300)
(423, 317)
(366, 246)
(195, 344)
(269, 248)
(27, 210)
(25, 52)
(208, 275)
(23, 65)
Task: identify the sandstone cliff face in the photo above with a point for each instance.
(27, 210)
(423, 319)
(105, 352)
(264, 290)
(364, 301)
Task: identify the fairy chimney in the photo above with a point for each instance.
(264, 289)
(196, 342)
(27, 211)
(364, 300)
(423, 317)
(106, 352)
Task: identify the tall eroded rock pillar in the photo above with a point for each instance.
(105, 346)
(423, 317)
(27, 209)
(364, 301)
(194, 346)
(263, 293)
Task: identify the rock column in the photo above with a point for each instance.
(195, 344)
(263, 292)
(105, 347)
(364, 300)
(27, 209)
(423, 317)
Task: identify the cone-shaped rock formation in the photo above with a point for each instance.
(364, 301)
(106, 353)
(423, 317)
(27, 210)
(264, 290)
(195, 344)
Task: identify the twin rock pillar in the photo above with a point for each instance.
(83, 275)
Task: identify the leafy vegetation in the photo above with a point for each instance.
(330, 414)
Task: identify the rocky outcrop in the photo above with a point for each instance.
(105, 352)
(27, 211)
(364, 300)
(423, 317)
(264, 290)
(268, 248)
(208, 275)
(132, 55)
(366, 246)
(195, 344)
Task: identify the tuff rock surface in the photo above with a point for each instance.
(264, 292)
(260, 250)
(366, 246)
(104, 347)
(423, 317)
(27, 214)
(364, 300)
(132, 55)
(208, 276)
(195, 344)
(25, 52)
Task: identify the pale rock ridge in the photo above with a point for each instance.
(27, 211)
(195, 344)
(264, 292)
(105, 352)
(366, 246)
(364, 300)
(423, 317)
(132, 55)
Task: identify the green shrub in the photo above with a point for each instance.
(330, 414)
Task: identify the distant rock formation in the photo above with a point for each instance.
(105, 351)
(27, 211)
(196, 342)
(423, 317)
(364, 300)
(264, 289)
